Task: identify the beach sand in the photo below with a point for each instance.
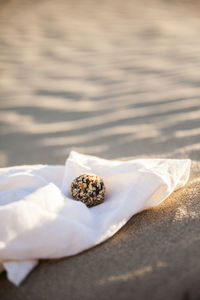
(117, 79)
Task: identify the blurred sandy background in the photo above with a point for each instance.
(116, 79)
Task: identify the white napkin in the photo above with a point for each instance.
(39, 219)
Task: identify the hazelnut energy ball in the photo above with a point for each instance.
(89, 189)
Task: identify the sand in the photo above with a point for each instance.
(117, 79)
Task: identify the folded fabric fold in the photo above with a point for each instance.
(39, 219)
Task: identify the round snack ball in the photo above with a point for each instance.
(89, 189)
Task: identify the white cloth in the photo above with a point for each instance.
(39, 219)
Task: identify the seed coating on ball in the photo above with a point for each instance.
(89, 189)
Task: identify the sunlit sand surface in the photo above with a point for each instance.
(103, 78)
(117, 79)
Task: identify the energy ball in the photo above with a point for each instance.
(89, 189)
